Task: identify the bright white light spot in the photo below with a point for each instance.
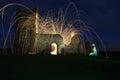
(53, 49)
(72, 34)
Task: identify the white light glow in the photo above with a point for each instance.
(53, 49)
(72, 34)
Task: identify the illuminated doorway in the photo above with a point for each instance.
(53, 49)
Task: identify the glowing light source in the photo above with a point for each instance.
(94, 51)
(36, 22)
(72, 34)
(53, 49)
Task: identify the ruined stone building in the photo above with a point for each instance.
(27, 41)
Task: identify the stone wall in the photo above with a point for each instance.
(75, 47)
(44, 43)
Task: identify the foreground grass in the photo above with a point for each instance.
(27, 67)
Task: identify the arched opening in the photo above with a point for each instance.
(53, 49)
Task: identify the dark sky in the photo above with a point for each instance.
(102, 15)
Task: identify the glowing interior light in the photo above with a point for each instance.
(53, 49)
(36, 22)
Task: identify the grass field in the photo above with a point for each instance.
(36, 67)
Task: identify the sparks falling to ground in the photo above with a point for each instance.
(47, 25)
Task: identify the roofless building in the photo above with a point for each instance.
(28, 40)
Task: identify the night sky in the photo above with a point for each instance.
(102, 15)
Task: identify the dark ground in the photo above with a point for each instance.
(27, 67)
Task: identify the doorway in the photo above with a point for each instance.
(53, 50)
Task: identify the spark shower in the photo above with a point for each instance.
(48, 24)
